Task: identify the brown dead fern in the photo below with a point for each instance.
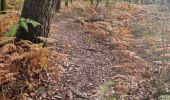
(25, 64)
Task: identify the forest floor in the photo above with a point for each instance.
(112, 52)
(109, 57)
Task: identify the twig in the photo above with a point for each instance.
(78, 93)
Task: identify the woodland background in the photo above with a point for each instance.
(89, 50)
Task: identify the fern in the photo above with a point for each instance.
(12, 31)
(34, 23)
(22, 23)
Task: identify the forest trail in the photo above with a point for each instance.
(99, 66)
(89, 65)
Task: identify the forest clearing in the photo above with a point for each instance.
(84, 50)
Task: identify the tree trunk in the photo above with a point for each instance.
(58, 6)
(91, 1)
(40, 11)
(66, 2)
(137, 1)
(98, 1)
(3, 7)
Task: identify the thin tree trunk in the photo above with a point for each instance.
(91, 1)
(130, 1)
(98, 1)
(40, 11)
(66, 2)
(3, 7)
(58, 6)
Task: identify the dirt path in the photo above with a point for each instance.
(94, 63)
(89, 64)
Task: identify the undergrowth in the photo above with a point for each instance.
(25, 67)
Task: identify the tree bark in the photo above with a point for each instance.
(40, 11)
(91, 1)
(98, 1)
(3, 6)
(58, 6)
(66, 2)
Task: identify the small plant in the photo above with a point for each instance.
(137, 29)
(104, 89)
(41, 90)
(90, 40)
(22, 23)
(164, 97)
